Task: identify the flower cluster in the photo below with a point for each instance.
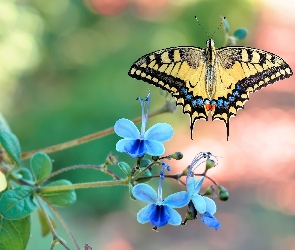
(160, 212)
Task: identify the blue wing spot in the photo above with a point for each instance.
(236, 93)
(220, 103)
(200, 102)
(206, 102)
(225, 103)
(213, 102)
(231, 98)
(188, 97)
(194, 103)
(184, 91)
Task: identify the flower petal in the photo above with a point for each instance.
(126, 128)
(198, 185)
(190, 185)
(135, 148)
(177, 200)
(159, 132)
(143, 215)
(175, 218)
(159, 216)
(210, 221)
(199, 203)
(154, 148)
(145, 193)
(210, 205)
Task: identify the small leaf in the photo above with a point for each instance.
(11, 145)
(3, 182)
(14, 234)
(225, 24)
(130, 191)
(41, 165)
(60, 198)
(25, 173)
(4, 124)
(125, 167)
(147, 173)
(17, 203)
(44, 226)
(241, 33)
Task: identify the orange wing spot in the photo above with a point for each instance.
(210, 107)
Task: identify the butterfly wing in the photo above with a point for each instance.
(239, 71)
(179, 70)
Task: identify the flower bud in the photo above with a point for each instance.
(210, 190)
(177, 156)
(223, 193)
(112, 159)
(209, 164)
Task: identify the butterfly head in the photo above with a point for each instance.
(210, 43)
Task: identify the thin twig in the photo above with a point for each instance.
(58, 147)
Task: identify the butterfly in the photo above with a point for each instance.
(210, 80)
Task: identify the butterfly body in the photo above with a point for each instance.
(210, 80)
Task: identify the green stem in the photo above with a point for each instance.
(84, 185)
(81, 167)
(62, 222)
(167, 108)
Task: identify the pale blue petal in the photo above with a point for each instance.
(198, 185)
(177, 200)
(143, 215)
(145, 193)
(175, 218)
(120, 146)
(126, 128)
(199, 203)
(154, 148)
(210, 205)
(190, 185)
(159, 132)
(210, 221)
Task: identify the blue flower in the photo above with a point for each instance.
(159, 212)
(136, 143)
(198, 203)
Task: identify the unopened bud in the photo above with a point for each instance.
(210, 190)
(112, 159)
(177, 156)
(209, 164)
(223, 193)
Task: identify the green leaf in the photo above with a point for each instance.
(17, 203)
(25, 173)
(4, 124)
(241, 33)
(60, 198)
(125, 167)
(44, 226)
(11, 145)
(14, 234)
(41, 165)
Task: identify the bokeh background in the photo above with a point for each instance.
(63, 74)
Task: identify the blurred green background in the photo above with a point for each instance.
(63, 74)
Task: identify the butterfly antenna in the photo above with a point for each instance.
(202, 27)
(222, 20)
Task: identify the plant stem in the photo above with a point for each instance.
(167, 108)
(62, 222)
(84, 185)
